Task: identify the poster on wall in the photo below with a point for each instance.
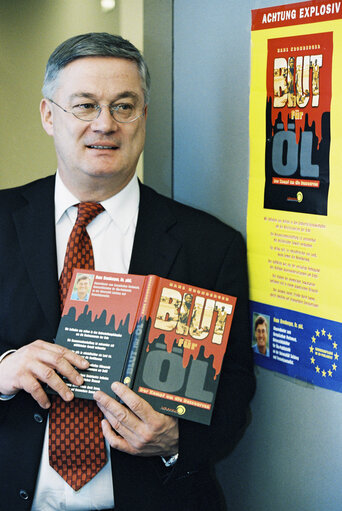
(294, 220)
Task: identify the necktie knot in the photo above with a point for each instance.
(87, 211)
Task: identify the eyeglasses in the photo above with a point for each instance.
(124, 112)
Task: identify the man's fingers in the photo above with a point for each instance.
(159, 437)
(116, 441)
(61, 362)
(39, 362)
(33, 387)
(57, 355)
(30, 382)
(114, 410)
(139, 406)
(73, 358)
(47, 358)
(136, 428)
(136, 412)
(133, 433)
(125, 439)
(122, 420)
(57, 384)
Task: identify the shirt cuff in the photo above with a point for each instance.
(170, 461)
(4, 397)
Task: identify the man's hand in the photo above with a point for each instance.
(38, 362)
(136, 428)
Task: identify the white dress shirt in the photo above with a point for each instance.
(112, 234)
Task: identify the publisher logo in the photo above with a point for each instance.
(181, 410)
(298, 198)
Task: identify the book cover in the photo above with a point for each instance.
(299, 91)
(164, 339)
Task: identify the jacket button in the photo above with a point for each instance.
(38, 418)
(23, 494)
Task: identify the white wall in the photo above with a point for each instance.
(29, 31)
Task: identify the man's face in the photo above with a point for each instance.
(82, 287)
(100, 155)
(261, 336)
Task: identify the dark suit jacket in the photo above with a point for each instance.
(172, 241)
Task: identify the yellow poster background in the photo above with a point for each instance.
(294, 258)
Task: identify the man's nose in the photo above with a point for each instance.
(105, 122)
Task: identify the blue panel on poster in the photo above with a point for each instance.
(298, 345)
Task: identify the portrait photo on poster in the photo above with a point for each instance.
(261, 329)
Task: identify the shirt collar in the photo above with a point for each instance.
(122, 207)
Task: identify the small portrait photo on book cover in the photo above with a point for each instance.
(82, 287)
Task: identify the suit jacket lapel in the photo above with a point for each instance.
(154, 248)
(35, 224)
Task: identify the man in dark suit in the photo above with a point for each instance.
(96, 94)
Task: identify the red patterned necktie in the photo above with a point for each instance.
(76, 444)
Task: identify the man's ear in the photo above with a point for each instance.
(46, 116)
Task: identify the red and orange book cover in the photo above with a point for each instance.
(298, 106)
(164, 339)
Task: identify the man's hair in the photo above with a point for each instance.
(260, 320)
(82, 277)
(93, 44)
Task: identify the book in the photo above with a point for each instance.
(164, 339)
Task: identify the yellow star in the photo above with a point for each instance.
(313, 339)
(329, 337)
(336, 356)
(317, 333)
(324, 373)
(311, 349)
(334, 366)
(317, 369)
(323, 331)
(335, 345)
(312, 360)
(329, 373)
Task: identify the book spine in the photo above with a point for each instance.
(138, 336)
